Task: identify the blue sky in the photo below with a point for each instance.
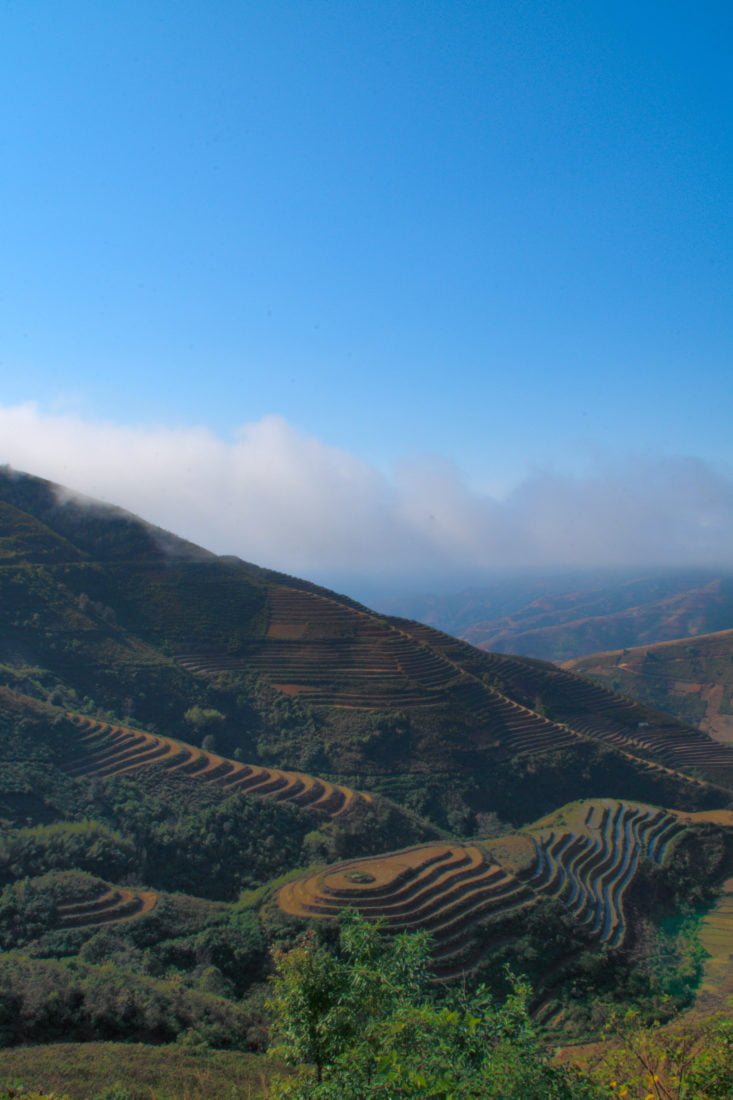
(496, 234)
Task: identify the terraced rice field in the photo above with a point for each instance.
(687, 676)
(334, 654)
(108, 750)
(601, 714)
(592, 711)
(586, 859)
(441, 888)
(109, 907)
(589, 869)
(612, 718)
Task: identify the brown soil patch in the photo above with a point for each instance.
(719, 726)
(685, 687)
(286, 631)
(706, 817)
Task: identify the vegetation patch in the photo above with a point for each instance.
(136, 1071)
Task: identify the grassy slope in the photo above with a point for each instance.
(84, 1070)
(715, 993)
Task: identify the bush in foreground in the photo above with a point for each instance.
(368, 1025)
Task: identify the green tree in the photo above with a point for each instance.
(370, 1025)
(306, 991)
(686, 1061)
(203, 719)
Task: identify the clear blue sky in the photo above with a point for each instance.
(495, 231)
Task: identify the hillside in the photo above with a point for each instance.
(105, 615)
(691, 678)
(587, 857)
(579, 879)
(584, 622)
(200, 756)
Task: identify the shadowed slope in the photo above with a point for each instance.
(335, 655)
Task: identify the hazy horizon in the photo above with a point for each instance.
(280, 499)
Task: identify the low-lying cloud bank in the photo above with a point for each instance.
(275, 496)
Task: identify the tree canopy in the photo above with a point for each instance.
(369, 1024)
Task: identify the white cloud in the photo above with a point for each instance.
(275, 496)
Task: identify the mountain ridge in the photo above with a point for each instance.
(564, 617)
(307, 680)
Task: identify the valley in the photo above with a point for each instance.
(565, 615)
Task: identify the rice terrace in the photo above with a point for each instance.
(109, 750)
(585, 856)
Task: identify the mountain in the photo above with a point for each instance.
(125, 620)
(562, 617)
(200, 757)
(691, 678)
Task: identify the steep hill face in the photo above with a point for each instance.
(101, 612)
(691, 678)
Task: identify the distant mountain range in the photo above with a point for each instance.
(562, 617)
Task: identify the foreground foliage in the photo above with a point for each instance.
(689, 1061)
(369, 1024)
